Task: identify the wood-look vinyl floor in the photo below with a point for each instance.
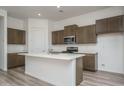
(101, 78)
(17, 77)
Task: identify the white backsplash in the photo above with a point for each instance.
(83, 48)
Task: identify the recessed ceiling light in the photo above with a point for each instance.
(39, 14)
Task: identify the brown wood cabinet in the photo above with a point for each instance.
(21, 60)
(15, 60)
(115, 24)
(11, 36)
(70, 30)
(21, 37)
(110, 25)
(16, 36)
(12, 60)
(79, 71)
(101, 26)
(90, 62)
(86, 34)
(57, 37)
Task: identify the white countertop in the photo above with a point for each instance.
(62, 56)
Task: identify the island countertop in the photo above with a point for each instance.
(62, 56)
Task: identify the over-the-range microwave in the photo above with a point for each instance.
(69, 40)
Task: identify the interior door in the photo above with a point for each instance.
(37, 42)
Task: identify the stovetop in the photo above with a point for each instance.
(71, 50)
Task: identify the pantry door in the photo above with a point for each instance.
(37, 41)
(37, 35)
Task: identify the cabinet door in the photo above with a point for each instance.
(90, 62)
(20, 60)
(84, 62)
(15, 60)
(16, 36)
(54, 37)
(101, 26)
(12, 60)
(86, 34)
(57, 37)
(23, 40)
(80, 36)
(115, 24)
(21, 37)
(11, 36)
(60, 37)
(91, 34)
(70, 30)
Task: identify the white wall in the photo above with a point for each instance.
(89, 18)
(110, 47)
(3, 40)
(17, 24)
(50, 28)
(37, 35)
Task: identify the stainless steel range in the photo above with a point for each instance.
(71, 50)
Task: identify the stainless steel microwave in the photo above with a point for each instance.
(69, 40)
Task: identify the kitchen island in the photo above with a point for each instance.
(57, 69)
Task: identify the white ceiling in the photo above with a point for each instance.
(49, 12)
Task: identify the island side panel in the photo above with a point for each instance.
(79, 71)
(53, 71)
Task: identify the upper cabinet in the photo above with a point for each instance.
(110, 25)
(101, 26)
(83, 35)
(16, 36)
(70, 30)
(21, 37)
(115, 24)
(57, 37)
(86, 34)
(11, 36)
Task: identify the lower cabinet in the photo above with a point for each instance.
(20, 60)
(79, 71)
(15, 60)
(90, 62)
